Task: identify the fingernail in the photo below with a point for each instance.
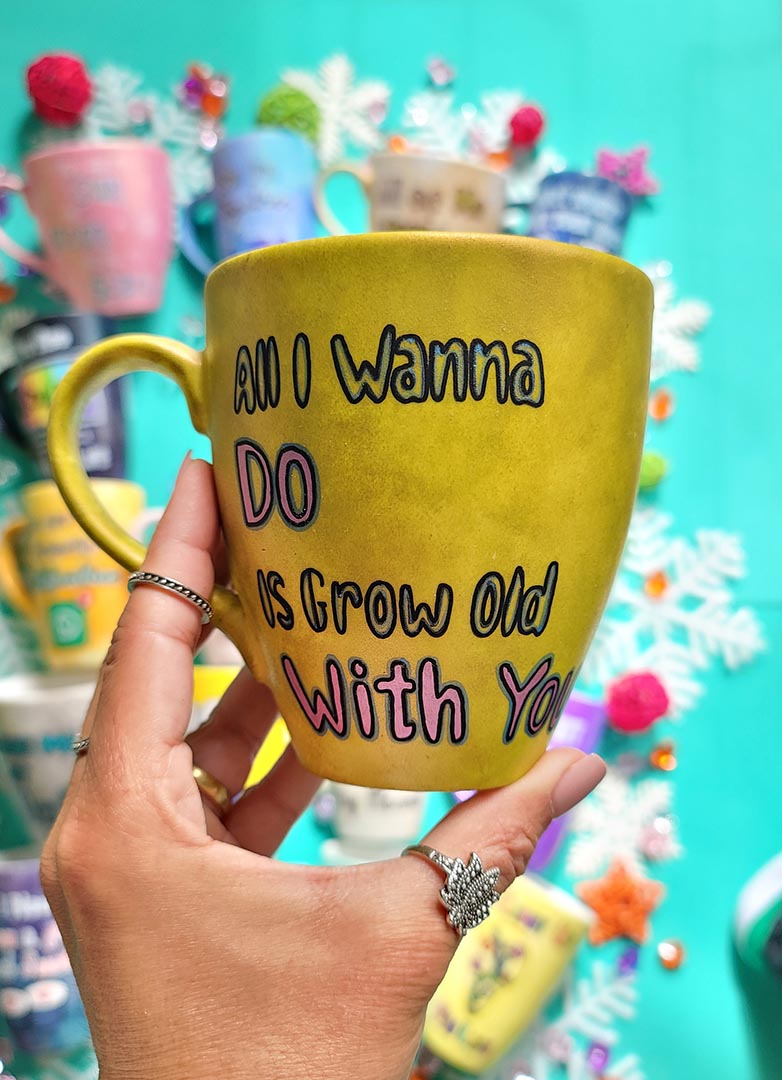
(576, 782)
(185, 462)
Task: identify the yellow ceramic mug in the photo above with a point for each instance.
(70, 590)
(426, 449)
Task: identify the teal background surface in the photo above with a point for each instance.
(701, 83)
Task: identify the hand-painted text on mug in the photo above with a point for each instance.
(515, 372)
(418, 701)
(441, 707)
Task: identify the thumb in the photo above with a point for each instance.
(502, 826)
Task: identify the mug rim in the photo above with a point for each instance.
(263, 130)
(439, 159)
(127, 142)
(574, 252)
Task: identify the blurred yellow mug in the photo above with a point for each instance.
(70, 590)
(426, 450)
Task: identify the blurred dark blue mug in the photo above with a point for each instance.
(578, 209)
(38, 997)
(262, 195)
(45, 349)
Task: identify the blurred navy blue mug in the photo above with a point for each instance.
(262, 195)
(39, 1001)
(578, 209)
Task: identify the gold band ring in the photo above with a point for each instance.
(213, 788)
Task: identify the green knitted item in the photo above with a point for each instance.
(287, 107)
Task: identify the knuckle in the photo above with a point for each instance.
(93, 868)
(116, 645)
(145, 622)
(521, 849)
(50, 877)
(507, 865)
(73, 859)
(514, 851)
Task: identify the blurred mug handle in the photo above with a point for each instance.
(12, 184)
(328, 219)
(12, 586)
(189, 242)
(96, 368)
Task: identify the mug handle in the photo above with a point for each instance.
(12, 184)
(98, 366)
(189, 243)
(12, 585)
(328, 218)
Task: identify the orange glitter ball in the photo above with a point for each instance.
(656, 584)
(663, 757)
(397, 144)
(7, 292)
(661, 405)
(671, 954)
(623, 903)
(214, 105)
(500, 159)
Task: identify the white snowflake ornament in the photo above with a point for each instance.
(675, 324)
(594, 1004)
(120, 107)
(112, 110)
(592, 1010)
(433, 124)
(671, 610)
(350, 111)
(614, 823)
(489, 129)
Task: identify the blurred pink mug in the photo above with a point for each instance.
(105, 213)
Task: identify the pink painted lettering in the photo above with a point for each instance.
(256, 506)
(434, 700)
(397, 685)
(319, 711)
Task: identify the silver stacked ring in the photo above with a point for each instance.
(144, 577)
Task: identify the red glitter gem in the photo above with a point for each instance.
(526, 127)
(60, 88)
(635, 701)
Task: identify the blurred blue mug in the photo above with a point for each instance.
(262, 195)
(39, 1001)
(576, 208)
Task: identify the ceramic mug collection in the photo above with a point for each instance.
(424, 489)
(418, 423)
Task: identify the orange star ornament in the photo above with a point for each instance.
(623, 903)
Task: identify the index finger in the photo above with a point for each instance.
(146, 684)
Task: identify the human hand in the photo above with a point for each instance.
(196, 954)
